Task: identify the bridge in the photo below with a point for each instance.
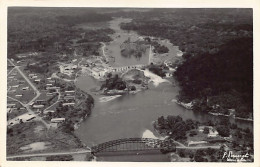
(126, 68)
(134, 144)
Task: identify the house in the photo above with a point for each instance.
(70, 91)
(38, 106)
(11, 105)
(68, 104)
(48, 111)
(57, 120)
(49, 94)
(15, 86)
(37, 80)
(25, 88)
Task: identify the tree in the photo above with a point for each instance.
(109, 75)
(161, 122)
(206, 130)
(223, 131)
(20, 121)
(238, 134)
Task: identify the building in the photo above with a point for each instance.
(25, 88)
(38, 106)
(57, 120)
(48, 111)
(68, 104)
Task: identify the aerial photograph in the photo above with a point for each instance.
(130, 84)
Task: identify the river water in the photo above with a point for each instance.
(132, 115)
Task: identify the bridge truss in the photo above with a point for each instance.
(133, 144)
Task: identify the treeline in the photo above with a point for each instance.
(221, 81)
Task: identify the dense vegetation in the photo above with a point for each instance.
(221, 81)
(51, 29)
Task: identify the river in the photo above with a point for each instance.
(132, 115)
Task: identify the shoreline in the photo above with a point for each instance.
(238, 118)
(188, 106)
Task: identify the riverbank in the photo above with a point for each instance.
(230, 115)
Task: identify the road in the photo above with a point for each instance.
(197, 147)
(47, 154)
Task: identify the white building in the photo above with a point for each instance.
(57, 120)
